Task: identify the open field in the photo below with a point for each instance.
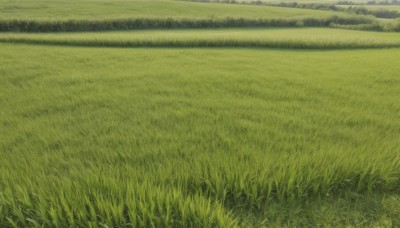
(312, 38)
(298, 1)
(165, 113)
(103, 9)
(88, 15)
(389, 7)
(376, 7)
(201, 137)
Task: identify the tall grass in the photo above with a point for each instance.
(296, 38)
(21, 25)
(63, 10)
(199, 192)
(198, 138)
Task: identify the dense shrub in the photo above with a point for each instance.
(162, 23)
(367, 27)
(380, 13)
(384, 13)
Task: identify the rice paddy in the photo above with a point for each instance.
(300, 38)
(88, 15)
(143, 124)
(105, 9)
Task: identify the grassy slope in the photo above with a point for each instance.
(281, 38)
(199, 136)
(103, 9)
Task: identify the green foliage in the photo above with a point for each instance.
(299, 38)
(360, 9)
(379, 13)
(64, 10)
(86, 15)
(162, 23)
(198, 137)
(150, 137)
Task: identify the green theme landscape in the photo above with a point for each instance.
(173, 113)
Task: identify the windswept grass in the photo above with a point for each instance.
(198, 137)
(301, 38)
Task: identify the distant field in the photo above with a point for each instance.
(102, 9)
(376, 7)
(251, 37)
(104, 15)
(286, 1)
(198, 137)
(298, 1)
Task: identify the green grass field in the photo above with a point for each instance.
(299, 1)
(313, 38)
(62, 15)
(230, 126)
(101, 9)
(377, 7)
(199, 136)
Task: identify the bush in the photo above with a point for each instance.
(166, 23)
